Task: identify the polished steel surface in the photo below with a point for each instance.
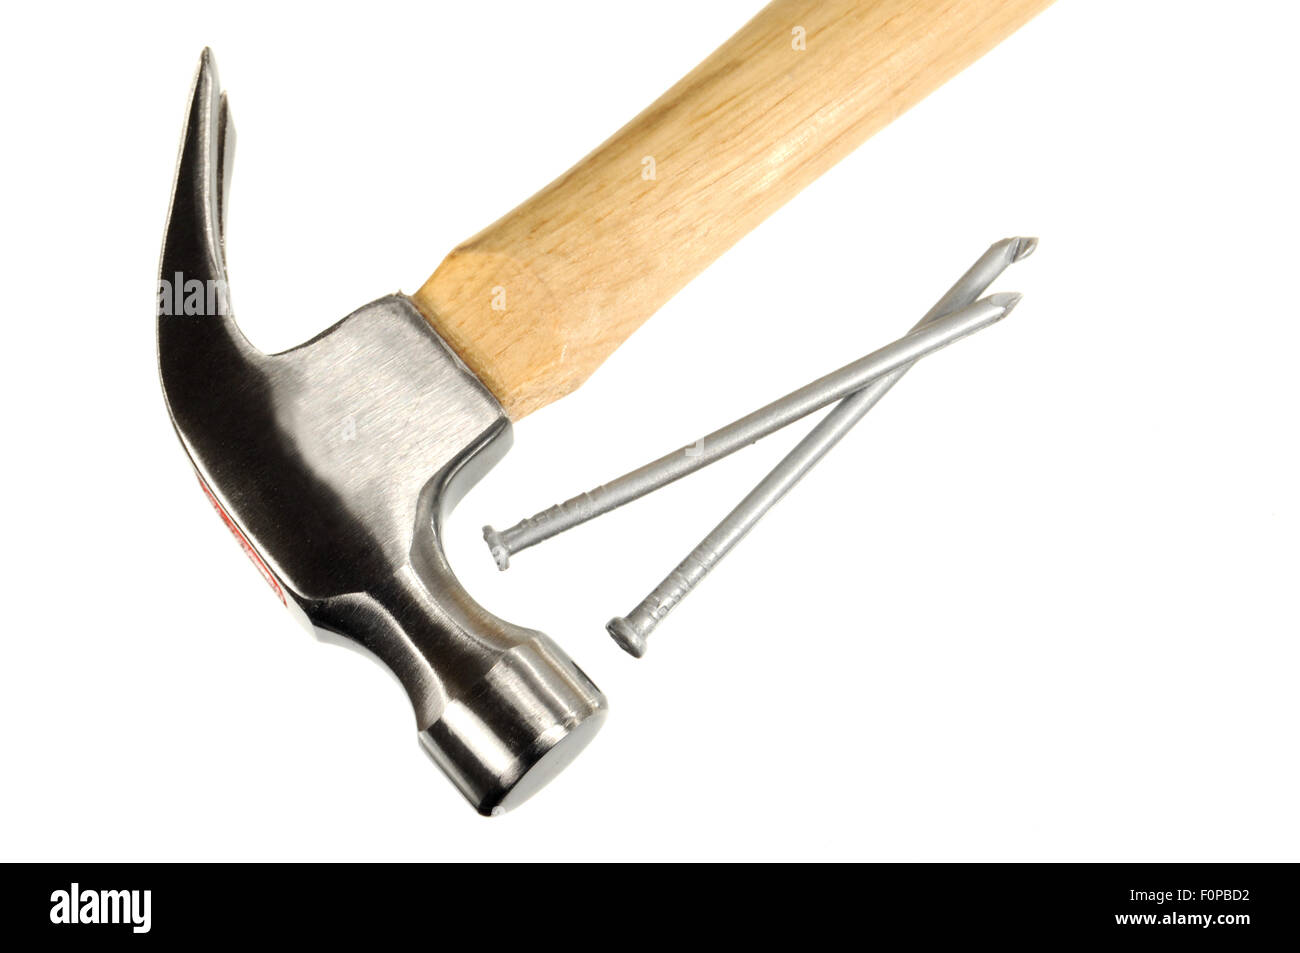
(335, 463)
(738, 434)
(632, 631)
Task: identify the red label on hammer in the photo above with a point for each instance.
(244, 544)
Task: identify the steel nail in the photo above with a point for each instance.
(924, 339)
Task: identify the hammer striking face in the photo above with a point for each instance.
(335, 463)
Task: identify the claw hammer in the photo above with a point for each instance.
(345, 523)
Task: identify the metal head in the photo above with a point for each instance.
(335, 464)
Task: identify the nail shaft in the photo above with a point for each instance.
(923, 340)
(632, 630)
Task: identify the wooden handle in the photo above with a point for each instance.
(536, 301)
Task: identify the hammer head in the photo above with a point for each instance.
(335, 464)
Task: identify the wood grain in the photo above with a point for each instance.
(537, 300)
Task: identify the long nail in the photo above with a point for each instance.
(925, 339)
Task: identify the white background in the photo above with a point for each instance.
(1041, 605)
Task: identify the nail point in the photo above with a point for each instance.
(1024, 248)
(1006, 300)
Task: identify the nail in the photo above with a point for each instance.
(924, 339)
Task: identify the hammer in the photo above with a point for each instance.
(336, 463)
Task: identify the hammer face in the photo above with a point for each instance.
(335, 463)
